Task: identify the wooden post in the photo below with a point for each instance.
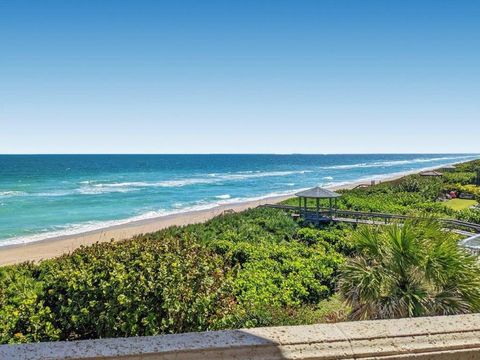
(330, 205)
(318, 211)
(299, 206)
(305, 205)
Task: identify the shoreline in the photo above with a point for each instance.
(56, 246)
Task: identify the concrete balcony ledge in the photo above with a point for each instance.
(442, 337)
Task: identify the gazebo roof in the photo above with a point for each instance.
(431, 173)
(318, 193)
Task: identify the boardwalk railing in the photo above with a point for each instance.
(311, 214)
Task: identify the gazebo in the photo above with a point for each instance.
(317, 193)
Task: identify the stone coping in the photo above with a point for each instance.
(442, 337)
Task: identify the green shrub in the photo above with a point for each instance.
(145, 286)
(469, 166)
(234, 271)
(23, 315)
(470, 215)
(462, 178)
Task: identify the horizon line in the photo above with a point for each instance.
(221, 153)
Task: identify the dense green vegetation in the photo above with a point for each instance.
(256, 268)
(250, 269)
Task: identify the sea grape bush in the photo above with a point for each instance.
(148, 285)
(234, 271)
(23, 316)
(274, 268)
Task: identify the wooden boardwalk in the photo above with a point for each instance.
(373, 218)
(382, 223)
(470, 231)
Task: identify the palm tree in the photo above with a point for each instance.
(412, 270)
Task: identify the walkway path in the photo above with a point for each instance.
(470, 230)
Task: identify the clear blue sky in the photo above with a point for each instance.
(239, 76)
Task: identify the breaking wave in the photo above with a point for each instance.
(226, 196)
(210, 179)
(391, 163)
(12, 193)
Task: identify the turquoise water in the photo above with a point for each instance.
(50, 195)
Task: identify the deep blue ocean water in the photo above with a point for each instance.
(49, 195)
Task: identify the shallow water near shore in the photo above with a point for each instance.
(42, 196)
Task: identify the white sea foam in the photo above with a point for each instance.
(250, 175)
(210, 179)
(85, 190)
(93, 187)
(226, 196)
(12, 193)
(391, 163)
(54, 193)
(98, 191)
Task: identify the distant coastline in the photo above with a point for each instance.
(56, 246)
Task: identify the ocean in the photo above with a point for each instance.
(43, 196)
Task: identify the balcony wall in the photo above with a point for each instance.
(443, 337)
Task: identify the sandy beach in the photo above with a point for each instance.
(53, 247)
